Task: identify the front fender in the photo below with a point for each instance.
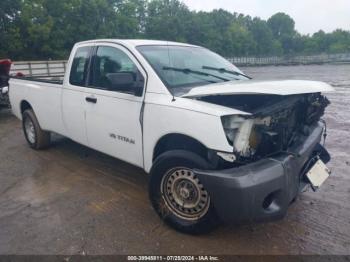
(163, 119)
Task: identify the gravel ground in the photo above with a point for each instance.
(73, 200)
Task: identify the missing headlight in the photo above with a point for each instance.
(243, 133)
(231, 125)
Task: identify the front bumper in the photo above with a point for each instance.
(263, 190)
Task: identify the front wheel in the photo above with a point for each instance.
(177, 194)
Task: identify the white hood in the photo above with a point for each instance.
(284, 87)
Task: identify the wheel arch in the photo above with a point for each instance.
(176, 141)
(25, 105)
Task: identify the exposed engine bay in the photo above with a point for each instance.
(275, 124)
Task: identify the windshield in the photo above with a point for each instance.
(184, 67)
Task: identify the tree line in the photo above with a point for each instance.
(47, 29)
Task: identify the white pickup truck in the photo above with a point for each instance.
(219, 147)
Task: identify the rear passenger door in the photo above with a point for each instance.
(113, 114)
(74, 95)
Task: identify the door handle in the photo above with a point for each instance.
(91, 100)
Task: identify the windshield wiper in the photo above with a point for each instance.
(190, 71)
(224, 70)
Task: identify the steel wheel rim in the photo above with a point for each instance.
(30, 130)
(184, 195)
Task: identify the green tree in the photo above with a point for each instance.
(165, 20)
(340, 41)
(323, 41)
(266, 44)
(281, 25)
(240, 41)
(42, 29)
(283, 29)
(35, 26)
(212, 30)
(9, 30)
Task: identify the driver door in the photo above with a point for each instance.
(113, 113)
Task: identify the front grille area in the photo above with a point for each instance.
(287, 125)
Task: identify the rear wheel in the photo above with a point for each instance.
(35, 136)
(177, 194)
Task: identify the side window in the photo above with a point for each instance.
(80, 65)
(113, 70)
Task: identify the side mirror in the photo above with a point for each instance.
(139, 85)
(125, 82)
(120, 81)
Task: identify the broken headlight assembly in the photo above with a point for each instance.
(272, 129)
(231, 125)
(244, 133)
(238, 130)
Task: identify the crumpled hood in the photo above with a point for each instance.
(278, 87)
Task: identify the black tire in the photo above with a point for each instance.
(165, 163)
(40, 139)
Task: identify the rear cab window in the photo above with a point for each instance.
(80, 65)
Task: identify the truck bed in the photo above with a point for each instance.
(43, 94)
(58, 80)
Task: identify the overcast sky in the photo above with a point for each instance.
(309, 15)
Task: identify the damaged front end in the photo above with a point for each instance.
(274, 125)
(275, 148)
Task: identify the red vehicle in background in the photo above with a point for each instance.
(5, 66)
